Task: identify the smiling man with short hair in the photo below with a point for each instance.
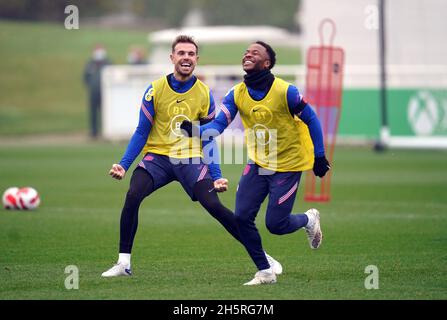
(168, 155)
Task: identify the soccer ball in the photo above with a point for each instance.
(28, 198)
(10, 198)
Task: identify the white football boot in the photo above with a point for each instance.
(274, 264)
(262, 277)
(313, 228)
(119, 269)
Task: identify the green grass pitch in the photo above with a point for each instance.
(388, 210)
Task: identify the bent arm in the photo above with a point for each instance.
(139, 138)
(228, 112)
(299, 107)
(211, 158)
(310, 118)
(209, 146)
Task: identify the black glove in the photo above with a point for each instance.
(321, 166)
(186, 126)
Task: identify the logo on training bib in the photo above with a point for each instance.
(262, 134)
(179, 107)
(261, 114)
(149, 95)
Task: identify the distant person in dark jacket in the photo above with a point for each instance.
(92, 79)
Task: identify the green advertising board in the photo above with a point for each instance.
(411, 112)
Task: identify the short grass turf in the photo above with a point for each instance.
(388, 210)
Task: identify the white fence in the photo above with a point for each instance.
(123, 88)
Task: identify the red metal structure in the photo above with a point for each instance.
(324, 84)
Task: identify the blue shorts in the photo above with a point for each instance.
(256, 184)
(164, 170)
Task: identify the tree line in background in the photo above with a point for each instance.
(164, 13)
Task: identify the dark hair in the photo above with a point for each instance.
(270, 52)
(184, 39)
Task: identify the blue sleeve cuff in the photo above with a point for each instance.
(215, 171)
(134, 148)
(211, 158)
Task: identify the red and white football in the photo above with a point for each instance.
(28, 198)
(10, 198)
